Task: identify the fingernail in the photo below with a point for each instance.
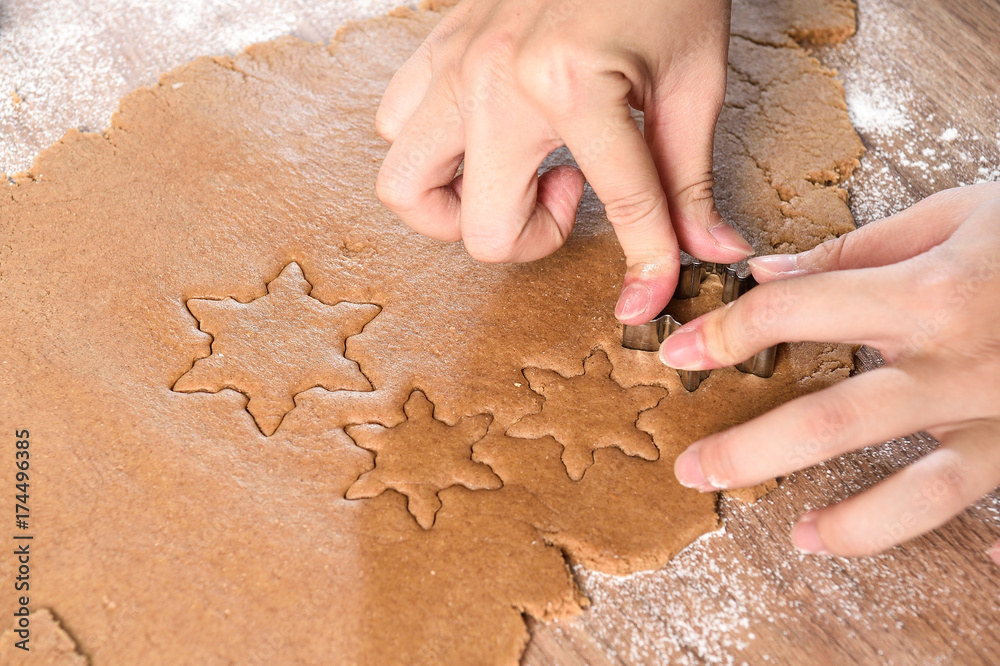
(805, 536)
(729, 239)
(633, 302)
(683, 350)
(687, 469)
(775, 264)
(995, 553)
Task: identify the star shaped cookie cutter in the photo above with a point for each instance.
(736, 281)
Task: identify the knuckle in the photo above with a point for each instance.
(489, 248)
(947, 488)
(724, 337)
(385, 125)
(829, 255)
(694, 204)
(488, 59)
(761, 311)
(752, 315)
(930, 303)
(719, 464)
(554, 74)
(738, 328)
(831, 417)
(699, 192)
(636, 212)
(950, 302)
(936, 282)
(393, 190)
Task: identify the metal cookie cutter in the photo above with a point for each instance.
(736, 281)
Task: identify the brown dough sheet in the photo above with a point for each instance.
(171, 529)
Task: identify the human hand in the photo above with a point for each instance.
(502, 83)
(922, 287)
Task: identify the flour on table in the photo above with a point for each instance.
(69, 61)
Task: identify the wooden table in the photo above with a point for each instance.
(923, 84)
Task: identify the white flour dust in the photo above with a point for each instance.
(694, 610)
(912, 150)
(718, 596)
(66, 63)
(709, 603)
(949, 134)
(880, 111)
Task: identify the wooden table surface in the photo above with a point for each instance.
(923, 87)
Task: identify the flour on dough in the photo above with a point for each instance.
(242, 539)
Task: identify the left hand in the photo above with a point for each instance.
(922, 287)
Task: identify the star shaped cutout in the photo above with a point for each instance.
(421, 457)
(589, 412)
(277, 346)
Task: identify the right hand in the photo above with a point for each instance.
(923, 288)
(502, 83)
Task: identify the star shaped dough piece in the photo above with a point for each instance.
(589, 412)
(421, 457)
(277, 346)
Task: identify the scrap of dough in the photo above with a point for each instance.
(779, 178)
(49, 644)
(752, 494)
(209, 190)
(421, 457)
(587, 412)
(784, 22)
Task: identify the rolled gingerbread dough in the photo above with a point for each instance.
(221, 243)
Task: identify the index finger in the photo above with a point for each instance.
(595, 122)
(823, 307)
